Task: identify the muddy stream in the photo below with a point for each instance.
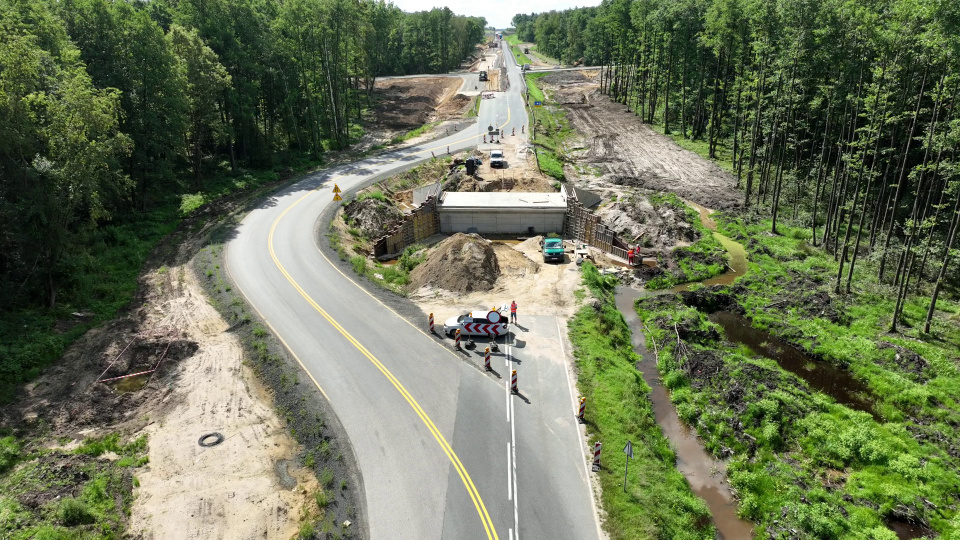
(706, 475)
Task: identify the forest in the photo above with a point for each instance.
(839, 115)
(115, 112)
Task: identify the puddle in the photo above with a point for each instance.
(131, 384)
(282, 468)
(908, 531)
(706, 475)
(837, 383)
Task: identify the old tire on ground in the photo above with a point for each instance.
(206, 441)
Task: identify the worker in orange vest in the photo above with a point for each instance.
(513, 312)
(630, 256)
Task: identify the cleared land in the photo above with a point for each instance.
(625, 152)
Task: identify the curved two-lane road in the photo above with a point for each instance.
(444, 450)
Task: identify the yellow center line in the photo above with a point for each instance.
(444, 445)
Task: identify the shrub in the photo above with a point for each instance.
(359, 263)
(73, 512)
(9, 452)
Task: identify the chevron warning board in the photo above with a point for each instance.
(484, 328)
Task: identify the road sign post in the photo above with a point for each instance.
(628, 450)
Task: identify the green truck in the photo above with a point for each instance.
(552, 249)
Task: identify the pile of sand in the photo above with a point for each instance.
(462, 263)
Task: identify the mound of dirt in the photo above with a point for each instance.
(372, 216)
(655, 226)
(513, 263)
(462, 263)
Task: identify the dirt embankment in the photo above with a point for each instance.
(629, 154)
(406, 104)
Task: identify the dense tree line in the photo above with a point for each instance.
(109, 106)
(838, 113)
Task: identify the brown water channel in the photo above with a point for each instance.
(837, 383)
(706, 475)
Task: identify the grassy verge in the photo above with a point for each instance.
(543, 58)
(550, 132)
(701, 260)
(658, 502)
(60, 494)
(801, 460)
(512, 39)
(475, 110)
(414, 133)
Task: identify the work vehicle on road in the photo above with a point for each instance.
(479, 322)
(496, 159)
(483, 75)
(552, 249)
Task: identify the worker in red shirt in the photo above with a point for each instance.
(513, 312)
(630, 256)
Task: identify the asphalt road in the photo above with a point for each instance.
(444, 449)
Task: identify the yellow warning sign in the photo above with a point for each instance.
(337, 197)
(336, 188)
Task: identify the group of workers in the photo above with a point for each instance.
(633, 256)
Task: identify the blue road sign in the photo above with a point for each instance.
(537, 103)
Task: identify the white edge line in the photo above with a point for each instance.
(509, 477)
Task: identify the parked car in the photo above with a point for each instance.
(496, 159)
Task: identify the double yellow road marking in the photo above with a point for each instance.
(444, 445)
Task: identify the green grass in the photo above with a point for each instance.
(658, 502)
(552, 130)
(74, 495)
(376, 194)
(475, 110)
(414, 133)
(839, 472)
(521, 58)
(392, 277)
(512, 39)
(543, 57)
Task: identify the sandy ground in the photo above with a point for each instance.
(544, 289)
(232, 490)
(627, 153)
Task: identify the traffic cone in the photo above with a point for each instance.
(513, 132)
(583, 409)
(596, 456)
(513, 382)
(457, 344)
(431, 324)
(486, 359)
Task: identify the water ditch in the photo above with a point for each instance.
(705, 474)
